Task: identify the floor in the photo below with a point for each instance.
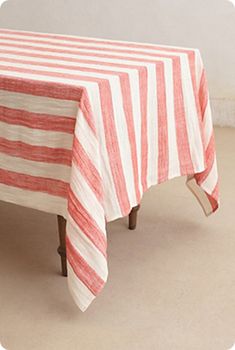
(171, 284)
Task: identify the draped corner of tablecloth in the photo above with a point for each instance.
(205, 184)
(86, 241)
(208, 199)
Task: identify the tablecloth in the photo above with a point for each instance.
(88, 125)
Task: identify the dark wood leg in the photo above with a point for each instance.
(133, 217)
(62, 234)
(62, 247)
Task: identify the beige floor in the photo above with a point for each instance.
(171, 284)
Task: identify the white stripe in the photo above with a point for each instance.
(86, 249)
(207, 124)
(87, 139)
(81, 294)
(35, 200)
(136, 109)
(87, 197)
(35, 168)
(198, 68)
(36, 137)
(211, 181)
(199, 194)
(122, 135)
(191, 116)
(111, 205)
(38, 104)
(152, 125)
(136, 114)
(174, 165)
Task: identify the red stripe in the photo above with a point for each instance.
(210, 157)
(40, 88)
(203, 93)
(213, 198)
(86, 223)
(192, 65)
(215, 193)
(186, 165)
(143, 87)
(82, 270)
(37, 120)
(85, 106)
(127, 106)
(112, 146)
(163, 152)
(87, 168)
(34, 183)
(35, 153)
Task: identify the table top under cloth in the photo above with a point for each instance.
(87, 125)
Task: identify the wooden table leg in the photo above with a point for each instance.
(62, 247)
(133, 217)
(62, 234)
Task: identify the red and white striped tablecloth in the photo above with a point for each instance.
(87, 125)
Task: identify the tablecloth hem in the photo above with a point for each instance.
(206, 199)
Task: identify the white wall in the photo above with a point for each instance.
(206, 24)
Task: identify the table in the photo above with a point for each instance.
(88, 125)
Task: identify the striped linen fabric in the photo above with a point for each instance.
(87, 125)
